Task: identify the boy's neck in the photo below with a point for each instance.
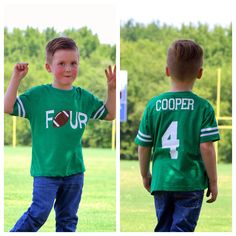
(62, 87)
(181, 85)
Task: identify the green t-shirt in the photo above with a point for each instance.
(58, 119)
(174, 124)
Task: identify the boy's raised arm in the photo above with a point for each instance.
(209, 159)
(19, 72)
(144, 156)
(111, 93)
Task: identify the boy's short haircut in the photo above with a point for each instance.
(184, 59)
(57, 44)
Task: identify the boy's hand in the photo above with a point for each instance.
(111, 78)
(213, 191)
(20, 70)
(147, 182)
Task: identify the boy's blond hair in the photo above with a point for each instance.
(184, 59)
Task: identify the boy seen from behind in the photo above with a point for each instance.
(177, 132)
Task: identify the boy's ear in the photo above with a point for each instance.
(199, 74)
(48, 67)
(167, 71)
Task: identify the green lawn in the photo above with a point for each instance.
(137, 205)
(97, 211)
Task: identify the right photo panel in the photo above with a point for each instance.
(175, 118)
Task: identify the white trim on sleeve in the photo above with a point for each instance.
(209, 134)
(143, 139)
(21, 106)
(101, 113)
(144, 135)
(209, 129)
(99, 110)
(19, 109)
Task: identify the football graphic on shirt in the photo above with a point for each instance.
(61, 119)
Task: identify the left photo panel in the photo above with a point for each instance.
(59, 122)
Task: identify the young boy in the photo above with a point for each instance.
(181, 129)
(58, 114)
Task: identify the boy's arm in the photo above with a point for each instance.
(209, 159)
(144, 155)
(20, 70)
(111, 93)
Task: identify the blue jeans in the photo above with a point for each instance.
(177, 211)
(65, 191)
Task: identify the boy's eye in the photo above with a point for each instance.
(74, 63)
(61, 63)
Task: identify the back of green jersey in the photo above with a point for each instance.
(174, 124)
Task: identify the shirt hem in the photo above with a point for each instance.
(56, 175)
(171, 189)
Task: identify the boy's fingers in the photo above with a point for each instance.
(212, 199)
(106, 74)
(19, 67)
(147, 188)
(109, 73)
(110, 70)
(23, 63)
(22, 66)
(147, 184)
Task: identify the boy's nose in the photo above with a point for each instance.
(68, 68)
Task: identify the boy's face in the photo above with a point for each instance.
(64, 67)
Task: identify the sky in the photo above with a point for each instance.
(176, 12)
(101, 16)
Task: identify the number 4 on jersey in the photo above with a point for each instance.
(169, 139)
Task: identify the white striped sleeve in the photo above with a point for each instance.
(99, 112)
(21, 109)
(144, 137)
(209, 134)
(209, 131)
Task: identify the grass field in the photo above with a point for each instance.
(98, 204)
(137, 205)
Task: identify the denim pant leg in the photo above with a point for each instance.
(164, 210)
(67, 203)
(187, 210)
(44, 192)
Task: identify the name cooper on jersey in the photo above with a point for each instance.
(77, 119)
(175, 104)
